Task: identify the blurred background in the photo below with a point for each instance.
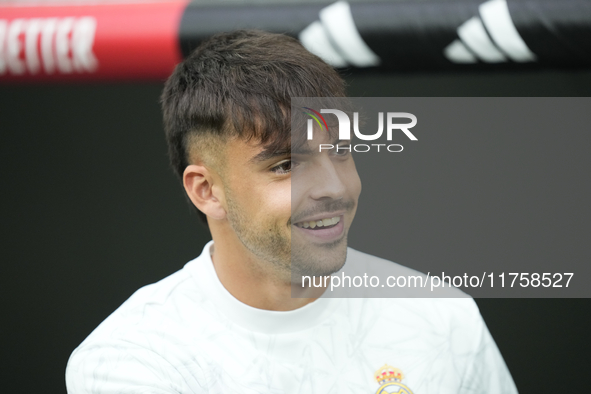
(91, 211)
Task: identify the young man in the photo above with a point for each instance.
(228, 321)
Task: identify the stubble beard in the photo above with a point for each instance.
(273, 245)
(268, 243)
(317, 260)
(320, 259)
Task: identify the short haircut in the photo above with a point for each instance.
(240, 84)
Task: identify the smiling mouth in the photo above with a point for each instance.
(320, 223)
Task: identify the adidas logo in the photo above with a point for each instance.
(336, 40)
(490, 37)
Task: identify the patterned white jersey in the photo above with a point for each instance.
(188, 334)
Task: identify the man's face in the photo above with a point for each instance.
(292, 209)
(324, 196)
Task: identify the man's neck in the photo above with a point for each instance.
(254, 282)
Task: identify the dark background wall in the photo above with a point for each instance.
(90, 212)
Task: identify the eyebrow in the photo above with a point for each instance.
(302, 150)
(268, 154)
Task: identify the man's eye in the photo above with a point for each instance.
(282, 168)
(343, 150)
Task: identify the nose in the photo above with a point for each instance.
(327, 181)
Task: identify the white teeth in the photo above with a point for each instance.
(320, 223)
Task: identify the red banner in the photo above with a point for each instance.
(90, 42)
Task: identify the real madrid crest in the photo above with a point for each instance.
(390, 381)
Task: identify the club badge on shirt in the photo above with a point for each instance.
(390, 381)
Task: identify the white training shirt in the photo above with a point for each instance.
(188, 334)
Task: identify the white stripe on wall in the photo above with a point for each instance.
(497, 19)
(314, 39)
(339, 24)
(474, 36)
(458, 53)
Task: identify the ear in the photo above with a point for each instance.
(204, 189)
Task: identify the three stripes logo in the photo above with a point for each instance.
(336, 40)
(490, 37)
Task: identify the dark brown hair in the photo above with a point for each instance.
(241, 84)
